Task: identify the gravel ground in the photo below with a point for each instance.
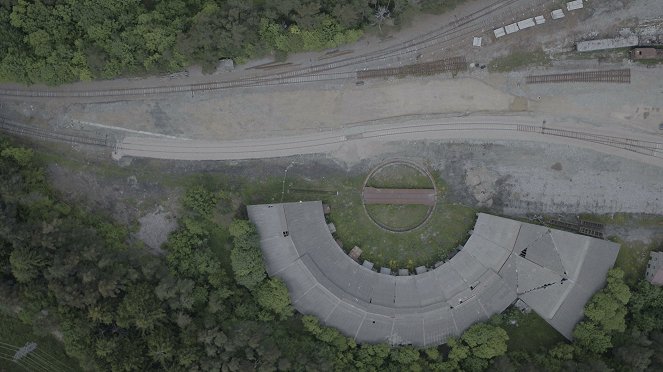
(529, 177)
(155, 228)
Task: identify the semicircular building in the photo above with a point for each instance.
(552, 271)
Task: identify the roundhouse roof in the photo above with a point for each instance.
(553, 271)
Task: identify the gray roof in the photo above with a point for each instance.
(556, 277)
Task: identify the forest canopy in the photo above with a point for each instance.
(61, 41)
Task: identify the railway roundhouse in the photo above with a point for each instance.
(552, 271)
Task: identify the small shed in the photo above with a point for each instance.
(385, 270)
(420, 270)
(574, 5)
(403, 272)
(539, 20)
(499, 32)
(526, 23)
(225, 65)
(510, 29)
(557, 14)
(645, 53)
(476, 41)
(368, 264)
(355, 253)
(332, 228)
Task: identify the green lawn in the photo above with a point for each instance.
(633, 255)
(447, 228)
(399, 176)
(529, 332)
(633, 258)
(49, 355)
(610, 55)
(519, 59)
(398, 216)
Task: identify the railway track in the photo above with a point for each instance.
(454, 64)
(327, 141)
(23, 130)
(603, 76)
(249, 148)
(649, 148)
(470, 24)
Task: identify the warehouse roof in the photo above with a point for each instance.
(554, 272)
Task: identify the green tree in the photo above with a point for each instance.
(485, 341)
(590, 337)
(404, 356)
(606, 315)
(245, 256)
(635, 357)
(326, 334)
(476, 347)
(272, 295)
(20, 155)
(140, 308)
(161, 345)
(646, 307)
(371, 357)
(26, 264)
(201, 200)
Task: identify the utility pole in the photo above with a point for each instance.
(24, 351)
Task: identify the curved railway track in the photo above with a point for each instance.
(247, 149)
(458, 29)
(307, 144)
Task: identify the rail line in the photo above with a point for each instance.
(19, 129)
(602, 76)
(454, 64)
(457, 29)
(323, 142)
(648, 148)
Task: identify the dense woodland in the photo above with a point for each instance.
(208, 304)
(60, 41)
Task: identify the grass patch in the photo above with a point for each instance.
(519, 59)
(399, 176)
(439, 7)
(611, 55)
(633, 258)
(49, 355)
(400, 217)
(529, 332)
(649, 62)
(447, 228)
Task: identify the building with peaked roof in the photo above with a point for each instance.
(552, 271)
(655, 268)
